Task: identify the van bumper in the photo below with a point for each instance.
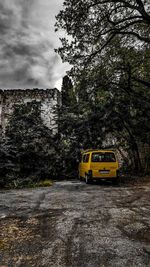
(104, 178)
(97, 176)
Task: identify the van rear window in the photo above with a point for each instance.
(103, 157)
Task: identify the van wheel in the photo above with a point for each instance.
(87, 180)
(116, 181)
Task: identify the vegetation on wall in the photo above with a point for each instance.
(28, 150)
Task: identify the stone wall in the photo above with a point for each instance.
(47, 99)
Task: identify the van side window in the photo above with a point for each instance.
(86, 158)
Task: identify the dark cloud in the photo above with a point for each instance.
(27, 42)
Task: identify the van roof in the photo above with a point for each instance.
(97, 150)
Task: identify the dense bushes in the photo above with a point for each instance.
(28, 152)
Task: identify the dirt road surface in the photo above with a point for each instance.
(72, 224)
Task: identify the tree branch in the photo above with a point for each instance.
(141, 38)
(126, 19)
(141, 9)
(147, 84)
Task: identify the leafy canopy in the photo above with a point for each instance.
(93, 25)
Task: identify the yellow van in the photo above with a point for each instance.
(98, 164)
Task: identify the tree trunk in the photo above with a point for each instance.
(137, 160)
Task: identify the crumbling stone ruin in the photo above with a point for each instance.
(47, 99)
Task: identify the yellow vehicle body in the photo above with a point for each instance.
(98, 164)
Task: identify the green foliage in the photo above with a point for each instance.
(109, 52)
(45, 183)
(67, 93)
(28, 151)
(96, 24)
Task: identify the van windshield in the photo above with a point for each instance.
(103, 157)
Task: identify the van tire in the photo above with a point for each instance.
(87, 179)
(116, 181)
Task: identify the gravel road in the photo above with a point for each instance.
(72, 224)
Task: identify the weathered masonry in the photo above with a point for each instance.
(47, 99)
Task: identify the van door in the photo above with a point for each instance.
(104, 164)
(84, 164)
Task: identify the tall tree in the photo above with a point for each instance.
(95, 24)
(109, 52)
(68, 95)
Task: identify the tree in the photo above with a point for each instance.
(125, 104)
(67, 92)
(95, 24)
(109, 51)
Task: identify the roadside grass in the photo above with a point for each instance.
(45, 183)
(29, 183)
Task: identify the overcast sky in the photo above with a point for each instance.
(27, 42)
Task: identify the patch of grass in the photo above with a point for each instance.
(21, 183)
(29, 183)
(45, 183)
